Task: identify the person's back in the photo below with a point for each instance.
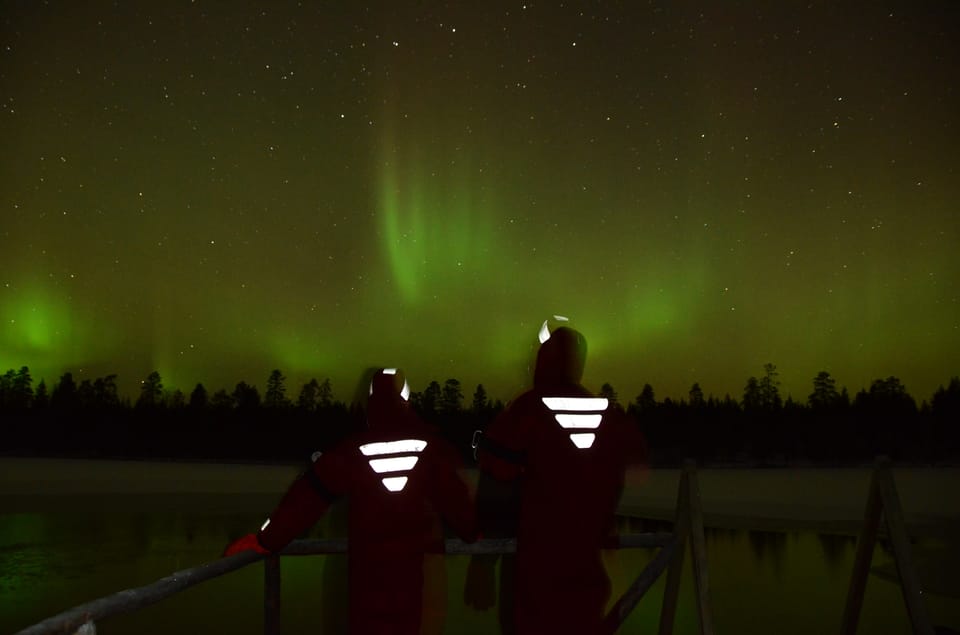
(400, 480)
(569, 450)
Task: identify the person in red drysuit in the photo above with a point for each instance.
(399, 478)
(567, 452)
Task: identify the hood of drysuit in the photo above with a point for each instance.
(560, 360)
(386, 404)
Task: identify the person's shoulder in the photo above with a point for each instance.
(525, 400)
(344, 449)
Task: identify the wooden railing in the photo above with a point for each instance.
(882, 500)
(688, 527)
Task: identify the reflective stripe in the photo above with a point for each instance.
(393, 447)
(394, 464)
(395, 483)
(583, 440)
(544, 333)
(590, 421)
(577, 404)
(405, 391)
(389, 371)
(264, 526)
(580, 420)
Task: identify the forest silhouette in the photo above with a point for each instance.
(91, 419)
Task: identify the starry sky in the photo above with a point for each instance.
(217, 189)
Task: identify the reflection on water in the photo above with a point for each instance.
(82, 548)
(771, 547)
(835, 548)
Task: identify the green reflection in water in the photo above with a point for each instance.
(760, 582)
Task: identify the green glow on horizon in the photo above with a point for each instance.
(302, 353)
(47, 334)
(33, 324)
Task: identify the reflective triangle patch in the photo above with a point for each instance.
(402, 458)
(578, 414)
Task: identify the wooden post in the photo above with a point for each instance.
(883, 499)
(621, 609)
(861, 561)
(271, 595)
(698, 547)
(897, 530)
(681, 529)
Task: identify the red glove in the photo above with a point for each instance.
(244, 543)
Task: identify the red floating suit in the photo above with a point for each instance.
(401, 479)
(568, 451)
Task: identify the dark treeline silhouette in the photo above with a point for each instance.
(91, 419)
(829, 426)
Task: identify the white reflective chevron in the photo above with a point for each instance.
(583, 440)
(395, 483)
(576, 404)
(589, 421)
(394, 464)
(393, 447)
(578, 413)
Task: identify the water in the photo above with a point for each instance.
(779, 559)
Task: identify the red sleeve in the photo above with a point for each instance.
(501, 457)
(305, 502)
(504, 444)
(449, 492)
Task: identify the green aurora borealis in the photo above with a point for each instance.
(214, 190)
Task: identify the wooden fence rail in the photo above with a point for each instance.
(132, 599)
(671, 546)
(883, 500)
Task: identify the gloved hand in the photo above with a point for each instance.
(244, 543)
(479, 590)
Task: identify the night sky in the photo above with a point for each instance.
(217, 189)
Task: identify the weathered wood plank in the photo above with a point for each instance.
(671, 591)
(861, 561)
(132, 599)
(909, 584)
(271, 595)
(698, 547)
(455, 546)
(635, 592)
